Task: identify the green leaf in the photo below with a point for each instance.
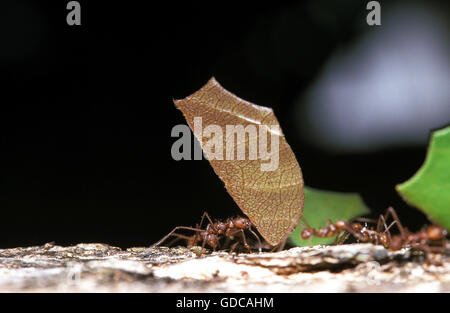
(321, 205)
(429, 188)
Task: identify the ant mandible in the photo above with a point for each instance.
(215, 231)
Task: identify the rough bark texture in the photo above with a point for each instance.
(102, 268)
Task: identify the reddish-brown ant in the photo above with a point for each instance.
(214, 231)
(424, 240)
(360, 232)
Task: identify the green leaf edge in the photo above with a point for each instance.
(403, 187)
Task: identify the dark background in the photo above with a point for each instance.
(87, 112)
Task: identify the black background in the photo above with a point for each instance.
(87, 112)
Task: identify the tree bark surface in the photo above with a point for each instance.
(99, 267)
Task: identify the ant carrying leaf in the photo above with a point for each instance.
(232, 228)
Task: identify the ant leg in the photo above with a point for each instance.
(204, 241)
(281, 245)
(257, 238)
(391, 211)
(336, 239)
(428, 251)
(227, 242)
(305, 222)
(427, 248)
(245, 241)
(343, 238)
(172, 232)
(178, 237)
(441, 248)
(382, 221)
(365, 220)
(205, 214)
(437, 249)
(241, 237)
(421, 247)
(444, 244)
(234, 246)
(350, 231)
(389, 227)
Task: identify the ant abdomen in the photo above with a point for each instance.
(435, 232)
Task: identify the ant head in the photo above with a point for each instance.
(435, 232)
(306, 234)
(242, 223)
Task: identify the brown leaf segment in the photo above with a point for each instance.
(272, 199)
